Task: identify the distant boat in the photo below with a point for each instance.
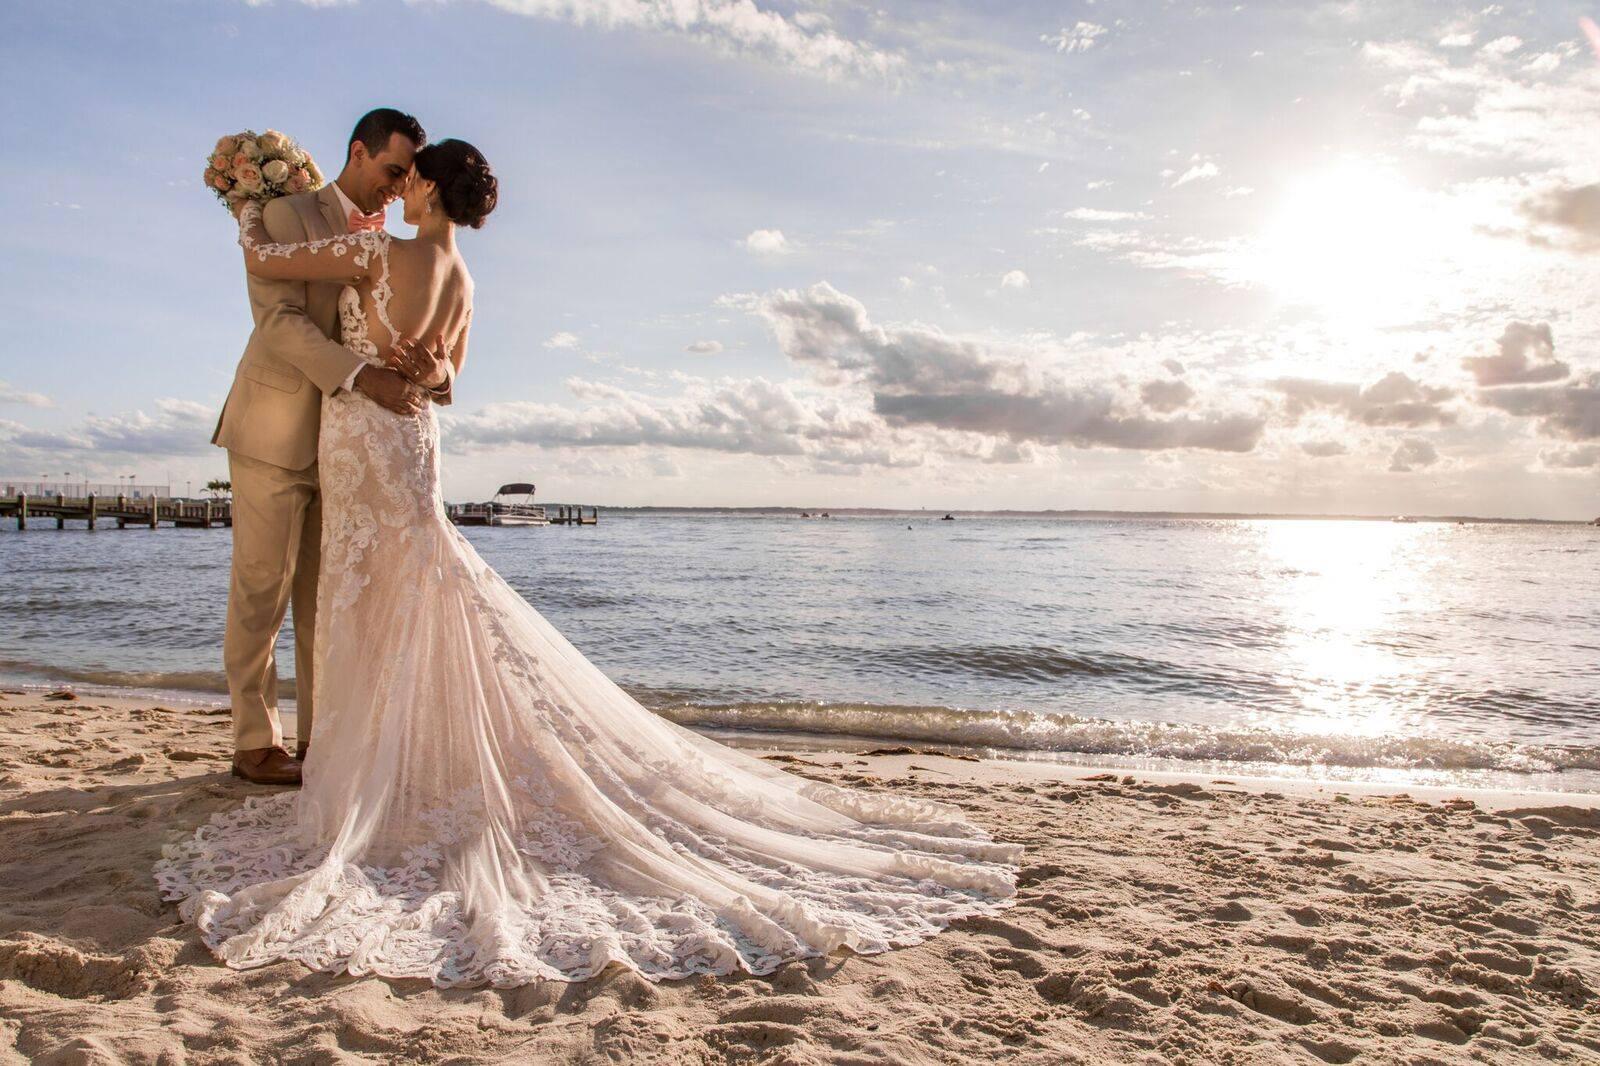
(516, 513)
(1404, 518)
(948, 518)
(502, 512)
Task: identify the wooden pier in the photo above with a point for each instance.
(572, 515)
(148, 512)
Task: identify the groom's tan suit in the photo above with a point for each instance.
(269, 426)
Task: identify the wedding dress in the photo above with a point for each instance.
(482, 805)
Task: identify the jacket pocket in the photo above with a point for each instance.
(274, 379)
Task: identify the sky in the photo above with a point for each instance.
(1297, 257)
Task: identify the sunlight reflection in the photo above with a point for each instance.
(1343, 594)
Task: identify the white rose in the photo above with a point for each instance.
(250, 148)
(272, 142)
(276, 171)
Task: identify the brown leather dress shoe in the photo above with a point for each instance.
(266, 766)
(300, 750)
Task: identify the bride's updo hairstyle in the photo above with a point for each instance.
(468, 189)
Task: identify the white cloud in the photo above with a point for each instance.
(733, 27)
(1569, 411)
(922, 377)
(1014, 279)
(1544, 63)
(704, 348)
(1502, 46)
(1526, 356)
(1095, 214)
(179, 427)
(562, 340)
(11, 394)
(1583, 457)
(768, 242)
(749, 417)
(1396, 399)
(1199, 170)
(1079, 37)
(1413, 453)
(1458, 40)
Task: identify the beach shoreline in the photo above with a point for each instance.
(1498, 788)
(1160, 917)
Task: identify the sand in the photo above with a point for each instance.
(1162, 918)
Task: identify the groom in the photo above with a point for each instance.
(269, 427)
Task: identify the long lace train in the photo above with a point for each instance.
(483, 805)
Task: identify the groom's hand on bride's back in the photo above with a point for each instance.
(386, 388)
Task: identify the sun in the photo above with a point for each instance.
(1355, 241)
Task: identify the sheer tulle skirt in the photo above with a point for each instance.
(482, 805)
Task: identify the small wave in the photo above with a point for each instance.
(212, 681)
(1023, 731)
(1041, 664)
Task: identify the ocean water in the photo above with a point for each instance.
(1427, 651)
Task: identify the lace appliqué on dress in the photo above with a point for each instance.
(482, 805)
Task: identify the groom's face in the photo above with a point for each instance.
(381, 176)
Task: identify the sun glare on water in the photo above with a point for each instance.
(1356, 243)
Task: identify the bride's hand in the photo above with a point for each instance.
(421, 365)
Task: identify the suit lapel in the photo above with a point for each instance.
(328, 202)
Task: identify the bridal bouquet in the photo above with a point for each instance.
(248, 166)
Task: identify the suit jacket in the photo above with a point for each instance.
(293, 356)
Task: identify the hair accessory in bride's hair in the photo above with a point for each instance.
(468, 189)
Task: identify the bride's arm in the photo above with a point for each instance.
(348, 257)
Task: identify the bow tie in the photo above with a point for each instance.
(360, 223)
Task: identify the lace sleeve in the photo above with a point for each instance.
(349, 255)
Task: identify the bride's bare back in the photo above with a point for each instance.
(430, 298)
(410, 290)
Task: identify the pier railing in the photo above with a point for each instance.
(126, 511)
(11, 487)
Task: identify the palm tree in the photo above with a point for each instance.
(219, 487)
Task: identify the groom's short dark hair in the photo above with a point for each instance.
(381, 123)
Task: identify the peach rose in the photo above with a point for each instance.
(300, 180)
(248, 177)
(239, 160)
(218, 181)
(272, 142)
(275, 171)
(226, 145)
(220, 162)
(250, 149)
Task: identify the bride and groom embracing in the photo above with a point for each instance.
(480, 804)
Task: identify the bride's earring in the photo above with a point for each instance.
(427, 207)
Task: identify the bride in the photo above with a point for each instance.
(481, 804)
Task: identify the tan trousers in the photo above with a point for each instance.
(277, 534)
